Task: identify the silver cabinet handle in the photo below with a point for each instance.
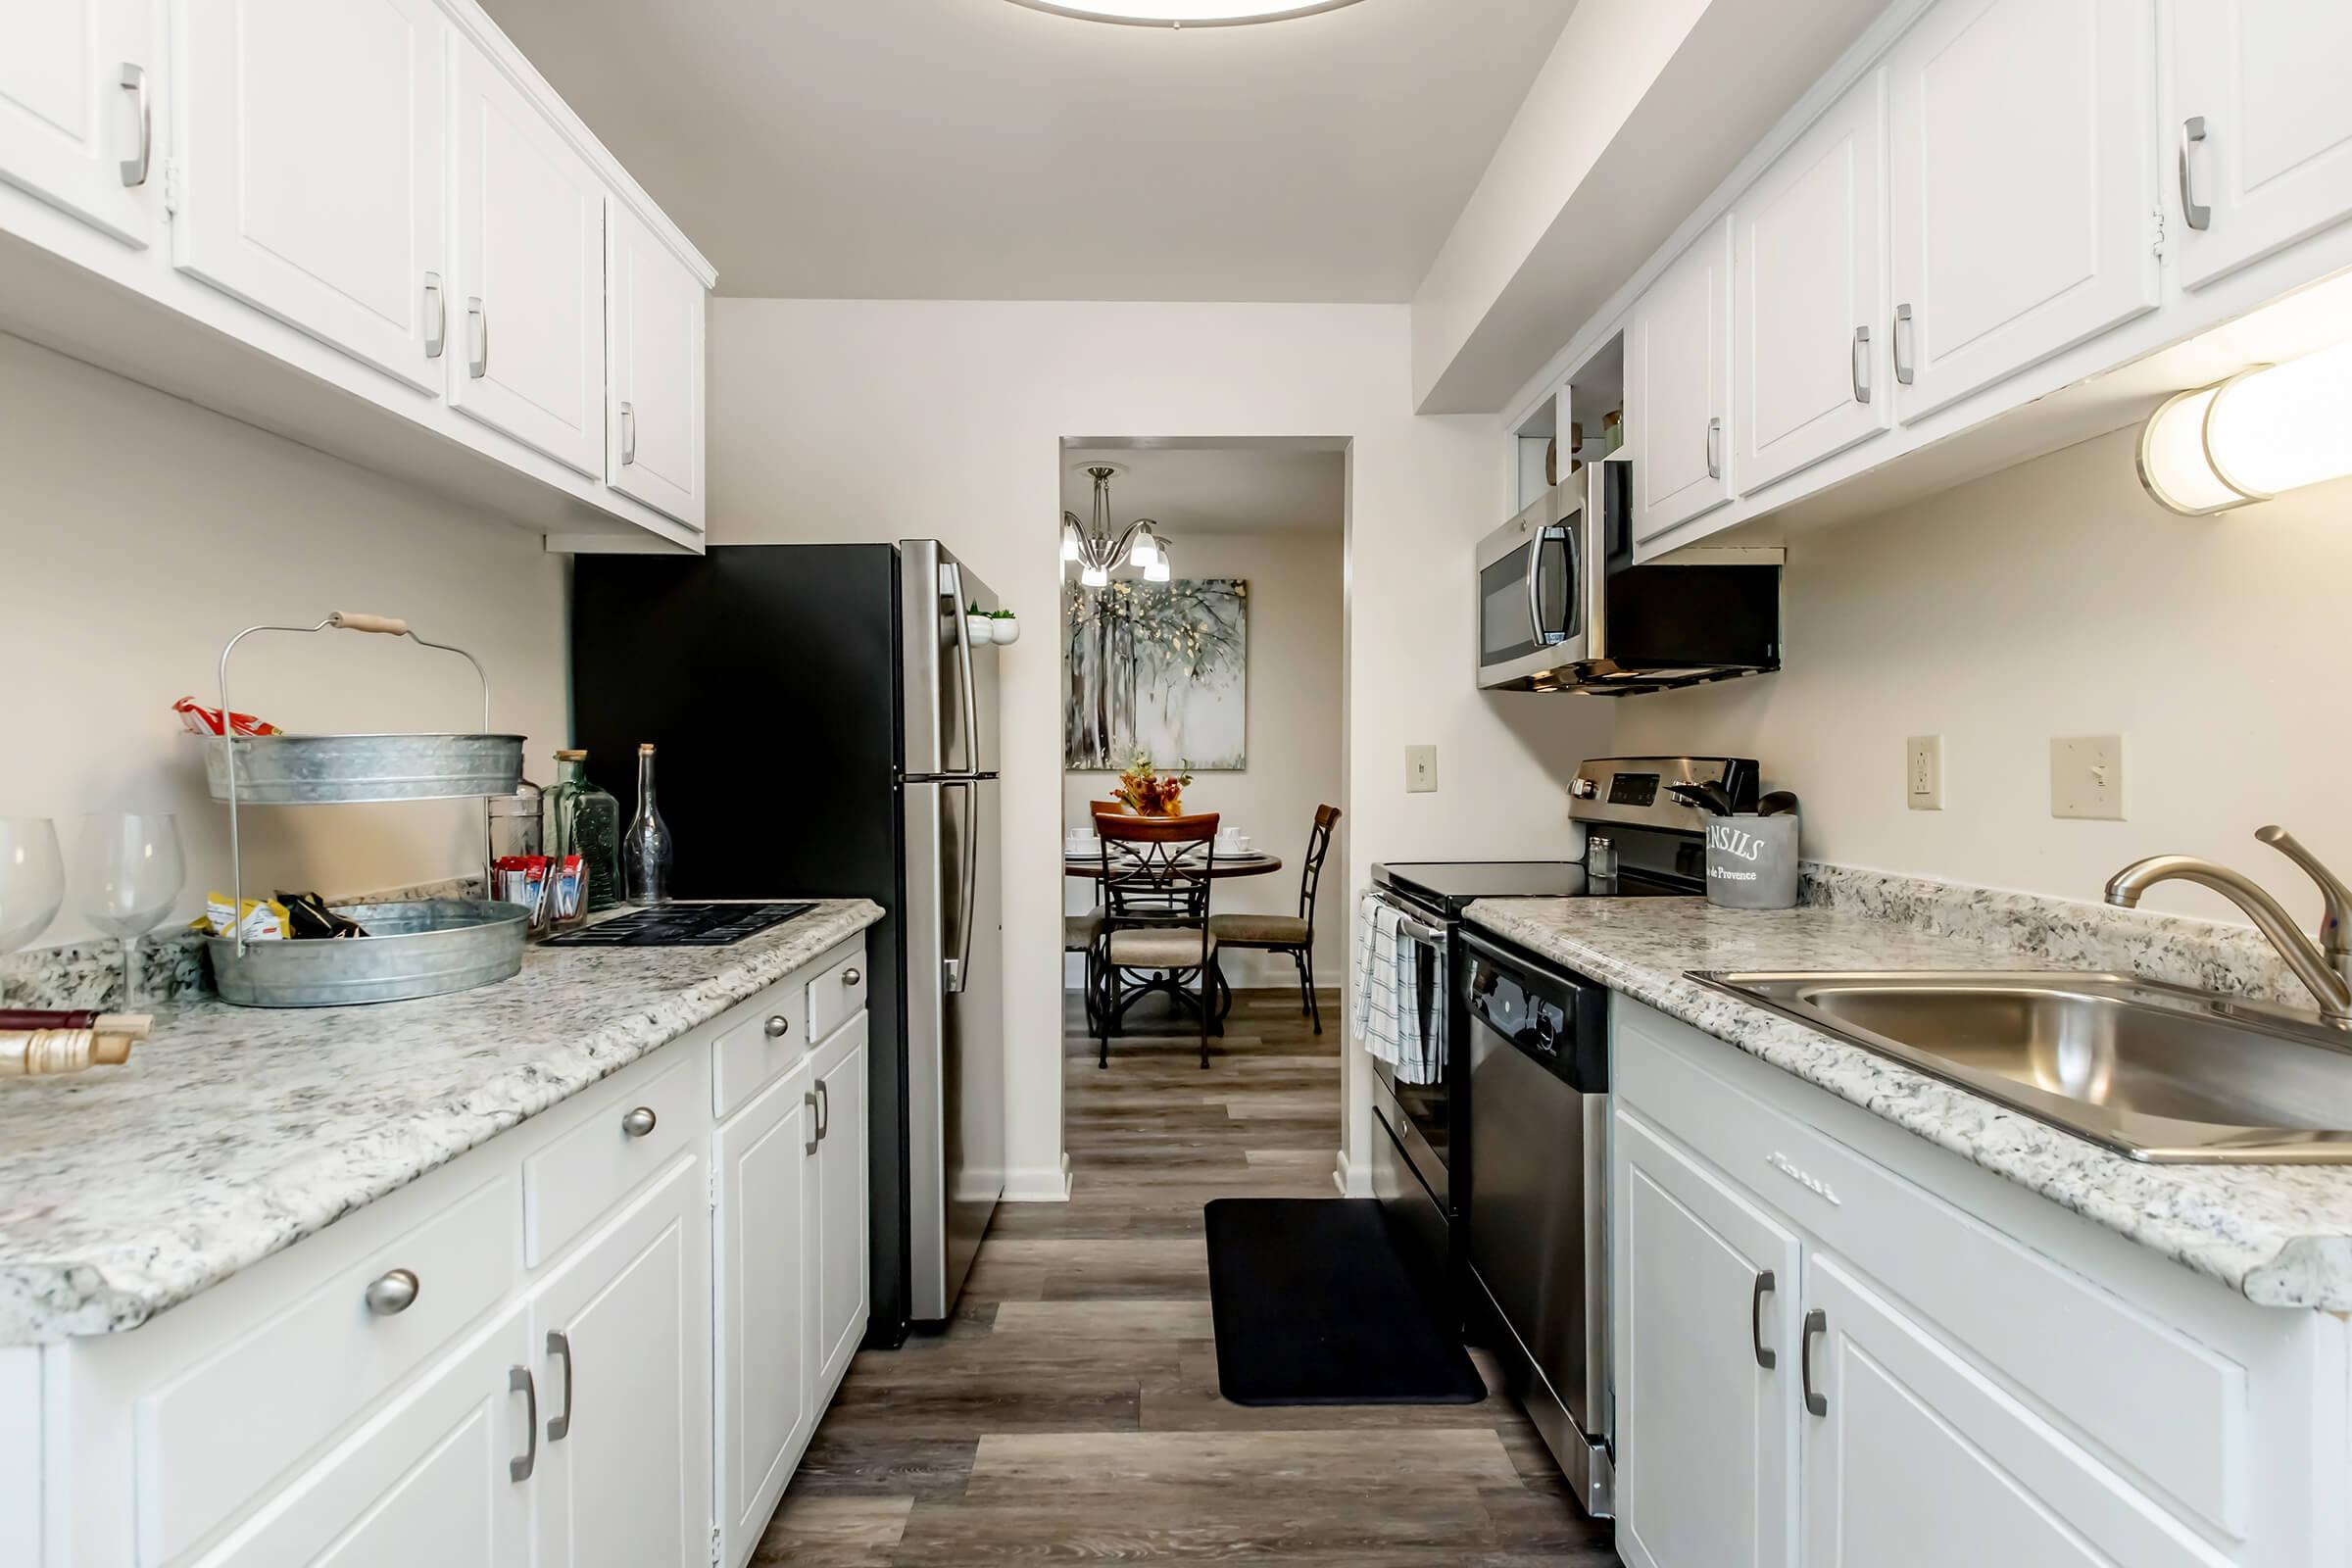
(1714, 456)
(134, 79)
(1861, 365)
(628, 433)
(778, 1026)
(437, 306)
(478, 326)
(1902, 344)
(825, 1110)
(561, 1344)
(816, 1123)
(519, 1381)
(637, 1123)
(1816, 1322)
(851, 977)
(1766, 1357)
(2199, 217)
(391, 1293)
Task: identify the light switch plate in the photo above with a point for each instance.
(1420, 769)
(1923, 772)
(2086, 778)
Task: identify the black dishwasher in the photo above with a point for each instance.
(1539, 1196)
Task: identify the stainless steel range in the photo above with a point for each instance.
(1494, 1174)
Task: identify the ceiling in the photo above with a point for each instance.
(1196, 490)
(975, 149)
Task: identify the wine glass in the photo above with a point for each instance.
(130, 877)
(32, 879)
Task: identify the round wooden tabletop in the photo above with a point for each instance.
(1255, 864)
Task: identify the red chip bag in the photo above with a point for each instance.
(201, 720)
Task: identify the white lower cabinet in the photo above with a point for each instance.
(1839, 1347)
(838, 1202)
(621, 1342)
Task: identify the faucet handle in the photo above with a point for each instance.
(2335, 929)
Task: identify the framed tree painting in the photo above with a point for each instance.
(1156, 671)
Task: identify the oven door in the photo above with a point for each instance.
(1418, 1116)
(1532, 592)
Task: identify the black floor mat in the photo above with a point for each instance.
(1313, 1306)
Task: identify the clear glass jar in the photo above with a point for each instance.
(516, 822)
(584, 820)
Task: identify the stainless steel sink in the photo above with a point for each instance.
(2155, 1071)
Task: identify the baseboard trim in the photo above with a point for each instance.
(1344, 1177)
(1040, 1185)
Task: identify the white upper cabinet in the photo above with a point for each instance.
(1705, 1294)
(2023, 187)
(311, 140)
(1809, 295)
(1678, 385)
(527, 285)
(2264, 126)
(654, 446)
(79, 84)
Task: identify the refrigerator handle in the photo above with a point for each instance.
(958, 968)
(950, 582)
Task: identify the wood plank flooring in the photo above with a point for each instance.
(1071, 1411)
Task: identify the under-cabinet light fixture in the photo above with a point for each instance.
(2262, 432)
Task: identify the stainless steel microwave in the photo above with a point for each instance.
(1562, 607)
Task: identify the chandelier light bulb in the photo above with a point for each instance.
(1069, 540)
(1094, 578)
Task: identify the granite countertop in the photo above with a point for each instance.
(2281, 1234)
(236, 1132)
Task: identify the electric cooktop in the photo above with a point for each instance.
(1454, 885)
(681, 925)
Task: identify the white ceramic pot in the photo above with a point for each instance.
(980, 631)
(1006, 632)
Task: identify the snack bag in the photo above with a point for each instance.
(199, 719)
(260, 920)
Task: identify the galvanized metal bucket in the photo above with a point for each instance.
(1751, 861)
(343, 769)
(420, 948)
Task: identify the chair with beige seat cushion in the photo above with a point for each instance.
(1156, 877)
(1078, 933)
(1293, 934)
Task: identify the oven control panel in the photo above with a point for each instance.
(1637, 791)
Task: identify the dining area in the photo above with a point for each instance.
(1177, 902)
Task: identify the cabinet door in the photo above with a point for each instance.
(312, 148)
(654, 450)
(2021, 184)
(428, 1479)
(767, 1160)
(1705, 1286)
(528, 291)
(78, 97)
(1919, 1458)
(838, 1205)
(1809, 295)
(2264, 126)
(1677, 384)
(620, 1339)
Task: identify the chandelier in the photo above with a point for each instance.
(1099, 553)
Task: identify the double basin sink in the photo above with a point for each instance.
(2154, 1071)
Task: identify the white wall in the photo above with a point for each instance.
(881, 419)
(138, 534)
(1293, 741)
(2055, 598)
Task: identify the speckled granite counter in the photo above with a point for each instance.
(2279, 1233)
(236, 1132)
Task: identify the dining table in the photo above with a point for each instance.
(1248, 862)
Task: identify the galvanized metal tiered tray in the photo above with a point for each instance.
(422, 947)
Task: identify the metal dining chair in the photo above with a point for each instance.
(1156, 877)
(1284, 933)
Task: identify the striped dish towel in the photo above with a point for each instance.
(1387, 990)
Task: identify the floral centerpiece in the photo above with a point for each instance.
(1143, 791)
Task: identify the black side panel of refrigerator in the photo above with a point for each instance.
(767, 675)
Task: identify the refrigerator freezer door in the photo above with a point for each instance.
(955, 1032)
(951, 693)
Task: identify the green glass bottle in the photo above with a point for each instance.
(584, 820)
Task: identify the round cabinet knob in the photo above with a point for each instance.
(778, 1026)
(637, 1123)
(851, 977)
(388, 1294)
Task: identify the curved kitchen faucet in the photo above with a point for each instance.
(2324, 967)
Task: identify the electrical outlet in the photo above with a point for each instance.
(1420, 769)
(1923, 772)
(2086, 778)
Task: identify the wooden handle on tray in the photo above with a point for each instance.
(350, 621)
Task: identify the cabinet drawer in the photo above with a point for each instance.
(210, 1438)
(2154, 1400)
(587, 1170)
(758, 1041)
(837, 995)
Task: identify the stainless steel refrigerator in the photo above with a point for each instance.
(826, 727)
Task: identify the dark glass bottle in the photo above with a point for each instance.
(584, 820)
